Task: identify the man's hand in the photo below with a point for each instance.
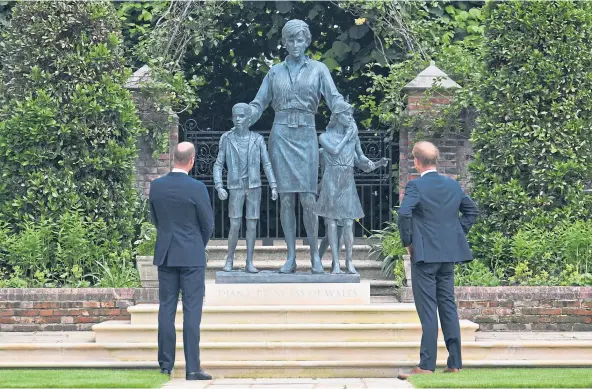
(222, 194)
(274, 194)
(409, 249)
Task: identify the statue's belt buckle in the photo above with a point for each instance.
(293, 117)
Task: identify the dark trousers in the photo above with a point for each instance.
(191, 282)
(433, 291)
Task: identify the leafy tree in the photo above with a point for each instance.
(137, 19)
(534, 135)
(231, 68)
(67, 124)
(450, 33)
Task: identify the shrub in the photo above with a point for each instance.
(390, 250)
(72, 252)
(534, 135)
(146, 240)
(67, 124)
(560, 256)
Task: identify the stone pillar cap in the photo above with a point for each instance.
(141, 75)
(431, 77)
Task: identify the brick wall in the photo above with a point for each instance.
(527, 308)
(27, 310)
(147, 168)
(494, 309)
(455, 149)
(455, 154)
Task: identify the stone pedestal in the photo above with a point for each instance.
(406, 294)
(288, 294)
(274, 277)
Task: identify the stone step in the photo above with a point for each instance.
(295, 314)
(515, 355)
(273, 257)
(296, 351)
(382, 287)
(123, 331)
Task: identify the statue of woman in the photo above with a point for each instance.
(294, 89)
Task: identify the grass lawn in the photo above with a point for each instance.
(81, 378)
(507, 378)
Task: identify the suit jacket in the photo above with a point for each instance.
(182, 213)
(429, 219)
(257, 155)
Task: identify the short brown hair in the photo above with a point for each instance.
(184, 152)
(426, 153)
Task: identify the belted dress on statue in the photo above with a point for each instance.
(293, 144)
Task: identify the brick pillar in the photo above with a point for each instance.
(427, 102)
(147, 167)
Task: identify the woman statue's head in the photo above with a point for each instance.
(296, 37)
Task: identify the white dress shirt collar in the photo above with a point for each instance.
(429, 171)
(177, 170)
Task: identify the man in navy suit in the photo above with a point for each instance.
(183, 216)
(435, 238)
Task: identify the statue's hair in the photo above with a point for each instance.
(244, 106)
(293, 27)
(340, 107)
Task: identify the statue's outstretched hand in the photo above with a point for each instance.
(222, 194)
(274, 194)
(384, 162)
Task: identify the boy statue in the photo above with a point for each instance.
(243, 152)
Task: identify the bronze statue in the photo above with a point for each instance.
(338, 201)
(243, 152)
(294, 88)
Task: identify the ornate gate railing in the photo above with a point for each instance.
(374, 188)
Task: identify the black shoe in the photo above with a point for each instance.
(198, 375)
(165, 371)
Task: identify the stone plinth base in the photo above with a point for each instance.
(273, 277)
(406, 295)
(288, 294)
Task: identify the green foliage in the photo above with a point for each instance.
(475, 273)
(5, 9)
(146, 240)
(390, 250)
(117, 272)
(73, 251)
(138, 19)
(534, 135)
(559, 256)
(448, 33)
(68, 126)
(230, 67)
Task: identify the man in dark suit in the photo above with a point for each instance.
(183, 216)
(435, 238)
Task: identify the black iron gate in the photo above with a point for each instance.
(374, 188)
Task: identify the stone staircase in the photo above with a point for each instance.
(273, 257)
(370, 340)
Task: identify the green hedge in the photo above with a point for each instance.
(68, 126)
(534, 134)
